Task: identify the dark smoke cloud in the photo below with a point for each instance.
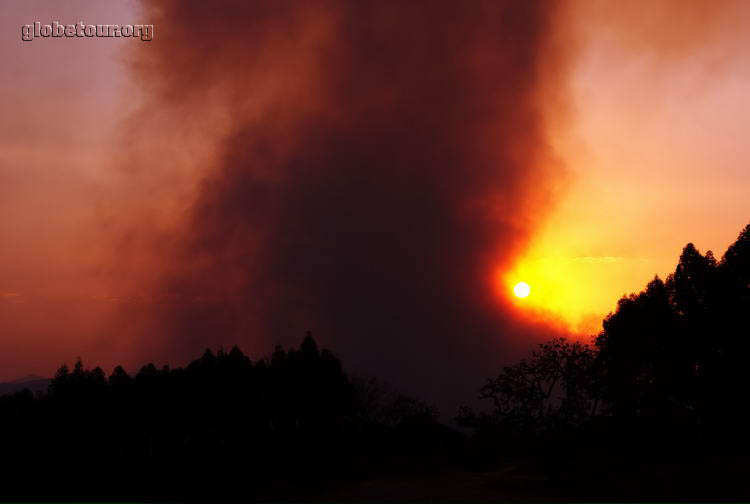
(371, 167)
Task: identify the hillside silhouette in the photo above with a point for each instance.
(655, 407)
(32, 382)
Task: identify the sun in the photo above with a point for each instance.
(522, 290)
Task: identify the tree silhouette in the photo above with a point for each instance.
(551, 390)
(288, 425)
(676, 351)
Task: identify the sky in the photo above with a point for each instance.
(654, 151)
(379, 174)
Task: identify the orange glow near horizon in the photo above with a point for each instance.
(655, 156)
(576, 291)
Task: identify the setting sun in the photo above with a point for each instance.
(522, 289)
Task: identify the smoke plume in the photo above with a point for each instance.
(359, 169)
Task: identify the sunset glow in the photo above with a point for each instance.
(653, 154)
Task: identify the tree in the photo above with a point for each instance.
(58, 384)
(647, 364)
(119, 377)
(551, 390)
(677, 351)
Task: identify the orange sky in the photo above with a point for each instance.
(653, 145)
(656, 152)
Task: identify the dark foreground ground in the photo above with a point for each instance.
(509, 483)
(519, 481)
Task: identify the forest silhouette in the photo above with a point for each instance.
(655, 407)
